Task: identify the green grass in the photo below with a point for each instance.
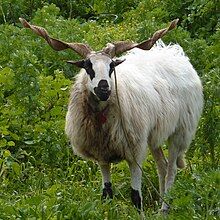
(76, 194)
(39, 176)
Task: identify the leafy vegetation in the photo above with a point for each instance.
(40, 178)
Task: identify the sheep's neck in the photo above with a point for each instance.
(99, 108)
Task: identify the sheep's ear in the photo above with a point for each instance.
(117, 62)
(79, 63)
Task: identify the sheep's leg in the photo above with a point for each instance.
(106, 181)
(136, 175)
(173, 152)
(161, 163)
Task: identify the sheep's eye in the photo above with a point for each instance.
(112, 66)
(89, 69)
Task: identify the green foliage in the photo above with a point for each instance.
(200, 17)
(39, 176)
(201, 195)
(111, 10)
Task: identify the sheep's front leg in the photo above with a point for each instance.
(106, 180)
(136, 175)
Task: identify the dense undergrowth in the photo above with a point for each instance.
(39, 176)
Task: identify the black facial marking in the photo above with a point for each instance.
(135, 198)
(88, 68)
(107, 191)
(112, 66)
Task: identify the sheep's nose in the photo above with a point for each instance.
(103, 85)
(102, 91)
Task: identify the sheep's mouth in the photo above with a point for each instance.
(102, 95)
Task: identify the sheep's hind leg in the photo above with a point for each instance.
(136, 174)
(106, 181)
(161, 163)
(173, 152)
(178, 144)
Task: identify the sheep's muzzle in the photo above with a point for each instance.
(102, 91)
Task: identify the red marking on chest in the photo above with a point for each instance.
(102, 116)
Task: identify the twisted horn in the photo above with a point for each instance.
(119, 47)
(82, 49)
(148, 44)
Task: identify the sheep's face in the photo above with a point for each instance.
(99, 68)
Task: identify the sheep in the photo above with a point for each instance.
(157, 97)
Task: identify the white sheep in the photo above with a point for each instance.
(158, 98)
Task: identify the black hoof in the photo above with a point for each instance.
(164, 212)
(165, 209)
(107, 191)
(136, 199)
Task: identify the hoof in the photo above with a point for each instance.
(164, 209)
(136, 199)
(107, 191)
